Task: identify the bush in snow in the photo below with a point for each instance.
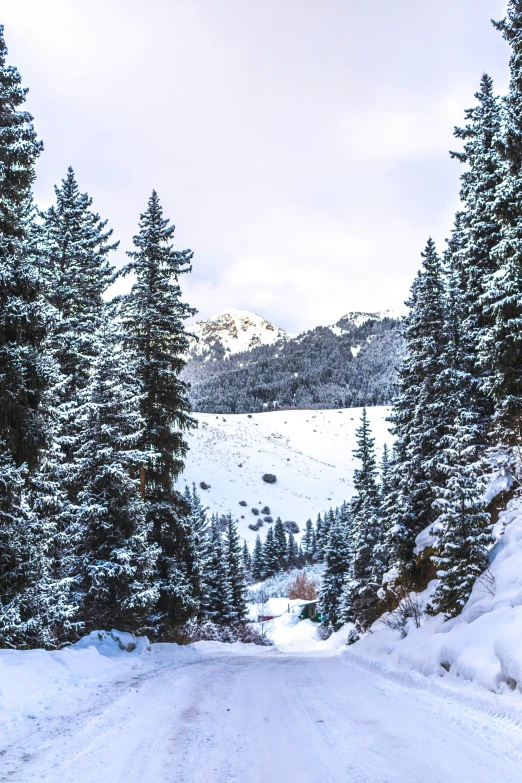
(255, 511)
(204, 485)
(243, 503)
(291, 527)
(410, 608)
(269, 478)
(269, 520)
(301, 586)
(265, 510)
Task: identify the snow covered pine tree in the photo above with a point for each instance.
(153, 316)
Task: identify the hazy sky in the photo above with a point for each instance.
(300, 146)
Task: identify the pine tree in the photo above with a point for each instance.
(292, 552)
(366, 535)
(308, 541)
(236, 572)
(258, 566)
(117, 562)
(463, 520)
(478, 229)
(280, 543)
(75, 244)
(216, 594)
(153, 316)
(247, 559)
(271, 563)
(419, 416)
(337, 562)
(26, 371)
(501, 351)
(19, 150)
(385, 474)
(196, 518)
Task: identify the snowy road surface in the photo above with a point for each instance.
(270, 717)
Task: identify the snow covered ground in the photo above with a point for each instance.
(483, 645)
(212, 713)
(309, 451)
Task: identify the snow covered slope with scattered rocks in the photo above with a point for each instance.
(309, 452)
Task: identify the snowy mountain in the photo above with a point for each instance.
(310, 453)
(233, 331)
(244, 364)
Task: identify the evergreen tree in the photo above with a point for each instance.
(235, 571)
(308, 541)
(292, 552)
(153, 316)
(258, 566)
(271, 563)
(247, 558)
(280, 543)
(26, 370)
(463, 521)
(478, 228)
(337, 561)
(75, 244)
(117, 562)
(216, 594)
(419, 416)
(501, 352)
(385, 474)
(366, 535)
(19, 150)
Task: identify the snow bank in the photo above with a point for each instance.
(36, 681)
(484, 644)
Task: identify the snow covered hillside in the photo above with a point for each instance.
(234, 331)
(309, 452)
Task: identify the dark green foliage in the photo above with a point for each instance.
(153, 316)
(315, 370)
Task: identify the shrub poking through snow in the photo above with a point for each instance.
(291, 527)
(256, 525)
(243, 503)
(269, 478)
(302, 586)
(204, 485)
(265, 510)
(255, 511)
(268, 520)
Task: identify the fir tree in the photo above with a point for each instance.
(366, 535)
(247, 559)
(463, 521)
(216, 594)
(258, 567)
(502, 343)
(337, 561)
(75, 245)
(419, 416)
(292, 552)
(117, 562)
(280, 543)
(271, 562)
(26, 370)
(235, 571)
(308, 541)
(19, 150)
(153, 316)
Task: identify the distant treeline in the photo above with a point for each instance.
(317, 369)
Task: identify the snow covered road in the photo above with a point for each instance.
(270, 717)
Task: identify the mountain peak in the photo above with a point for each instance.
(233, 331)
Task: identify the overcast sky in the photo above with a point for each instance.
(300, 146)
